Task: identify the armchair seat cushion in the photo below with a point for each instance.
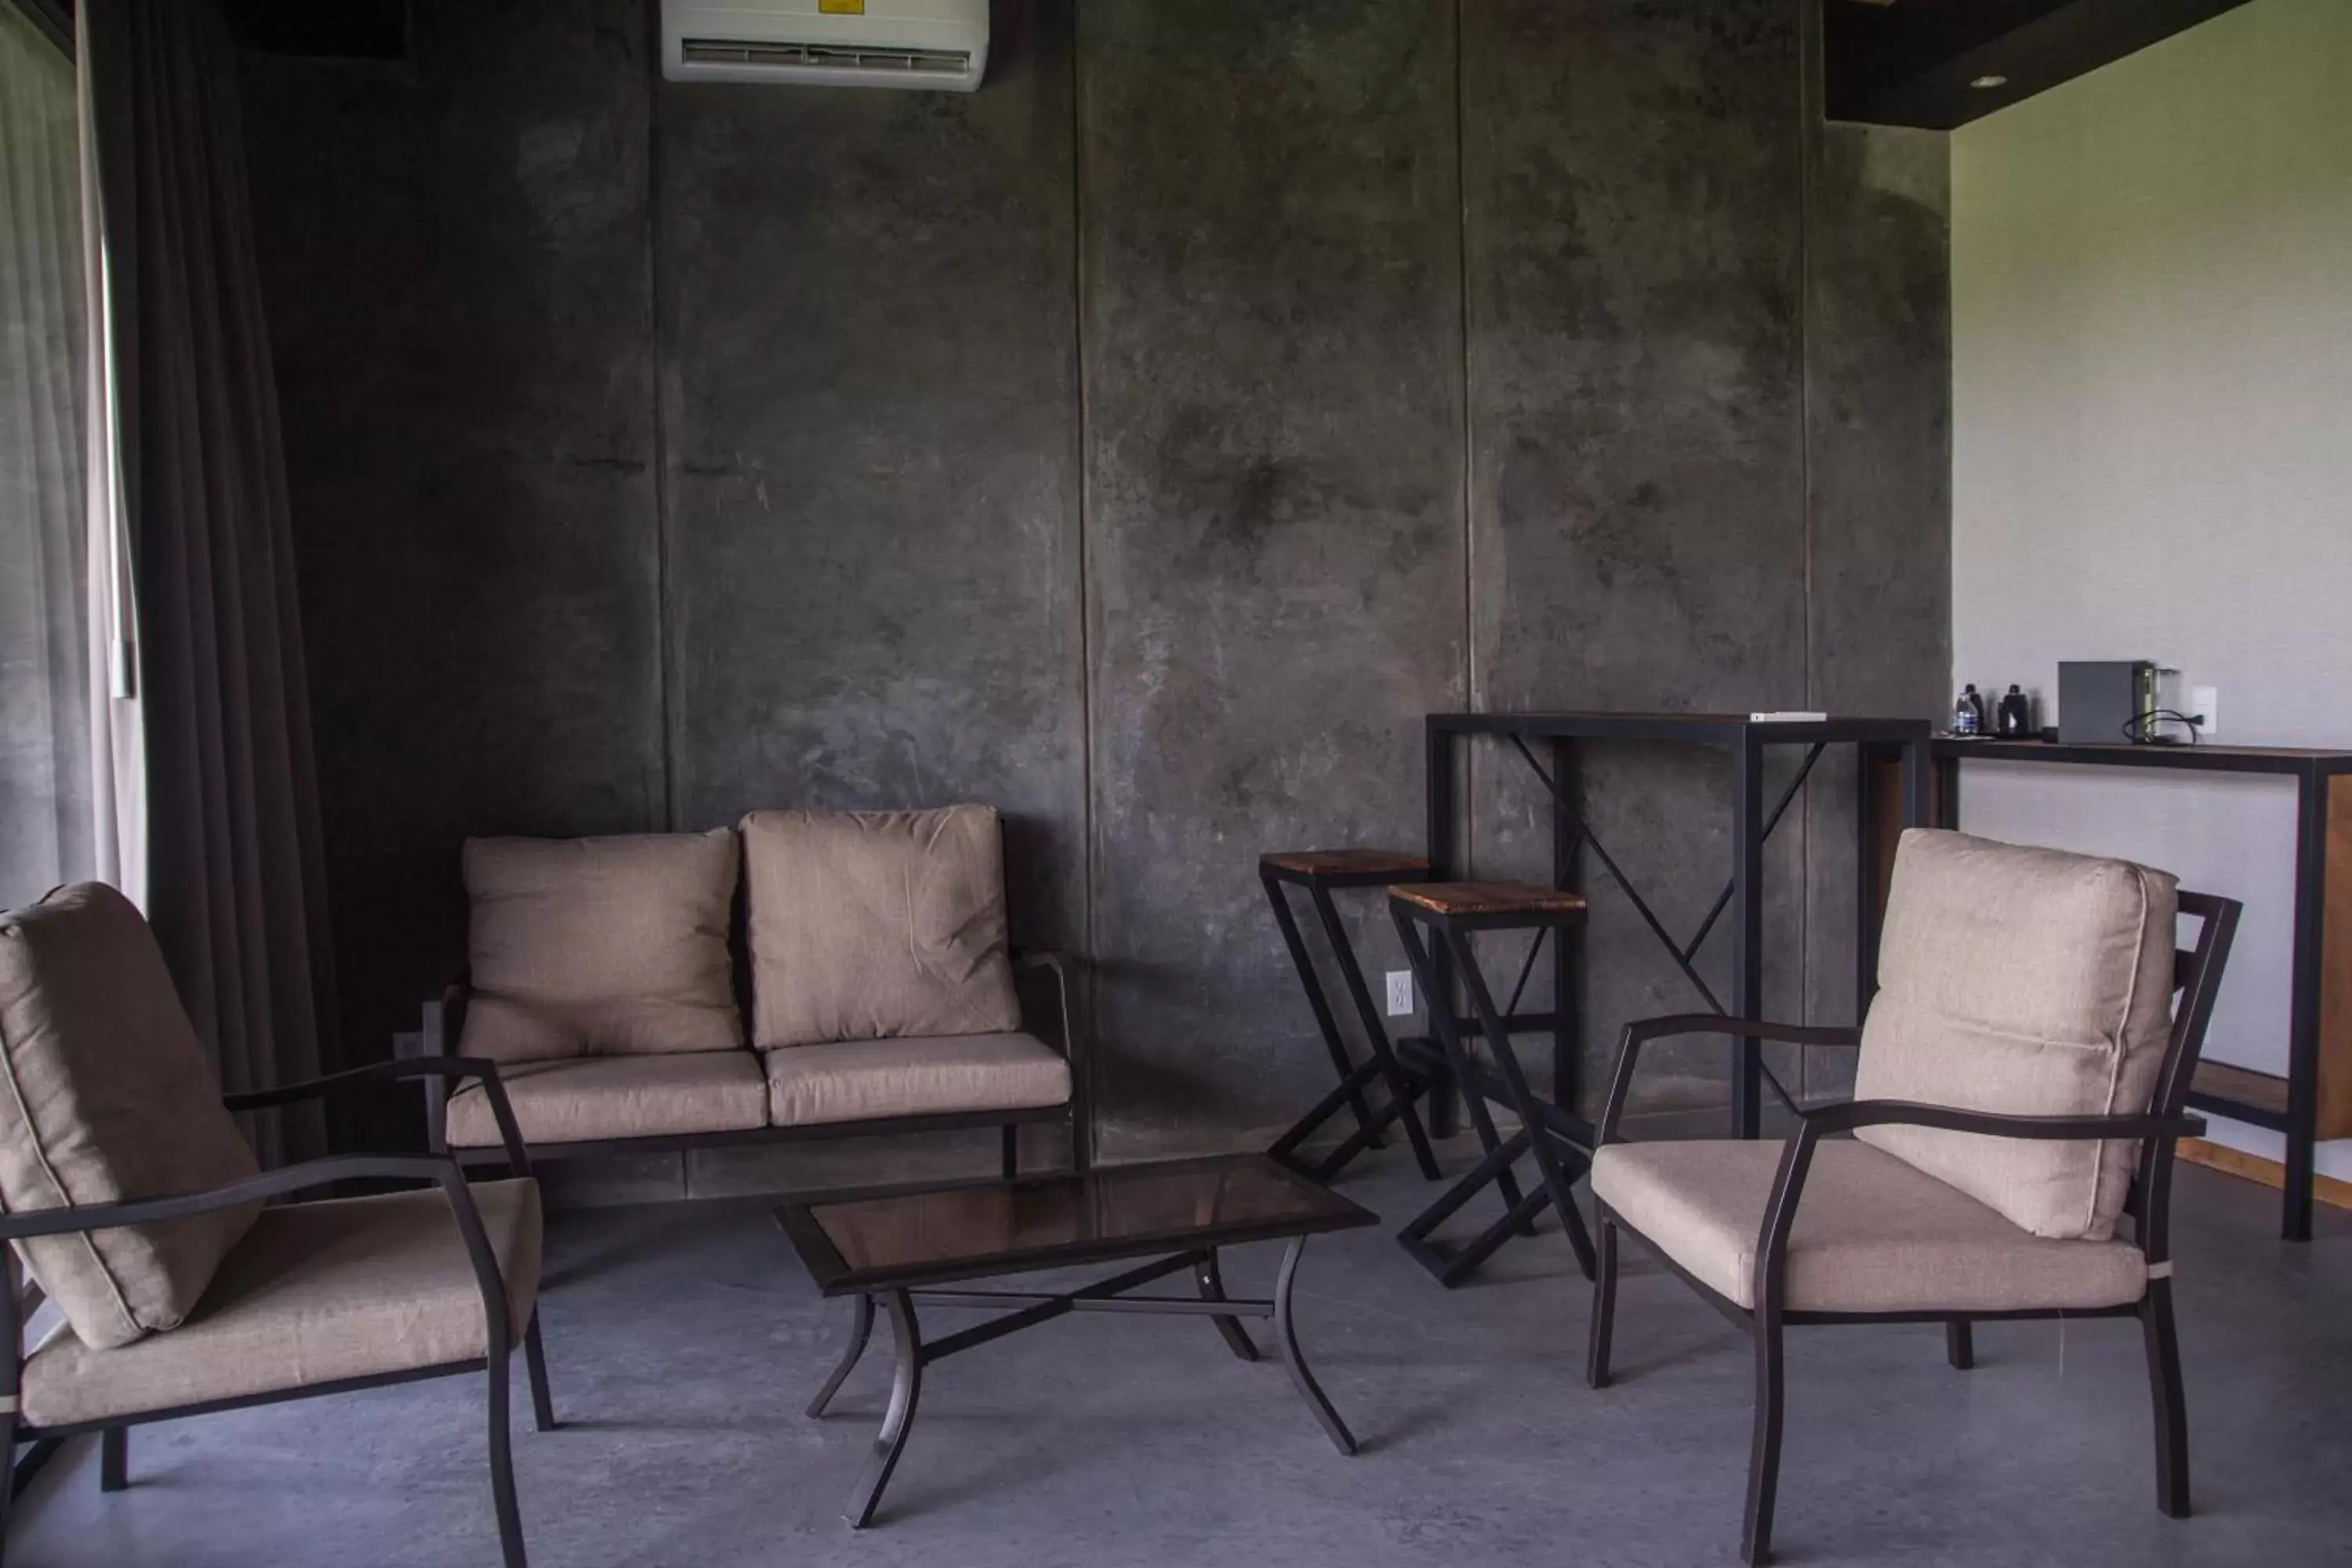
(595, 1098)
(1874, 1233)
(863, 1081)
(316, 1293)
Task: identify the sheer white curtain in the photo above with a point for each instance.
(69, 796)
(117, 750)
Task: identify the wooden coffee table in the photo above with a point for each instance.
(900, 1248)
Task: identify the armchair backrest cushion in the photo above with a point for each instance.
(2024, 982)
(108, 1099)
(592, 947)
(870, 925)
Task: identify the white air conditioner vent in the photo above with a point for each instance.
(938, 44)
(825, 56)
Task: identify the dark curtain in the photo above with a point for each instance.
(236, 881)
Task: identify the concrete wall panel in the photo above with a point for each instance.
(1272, 367)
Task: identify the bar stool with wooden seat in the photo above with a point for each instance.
(1320, 871)
(1432, 917)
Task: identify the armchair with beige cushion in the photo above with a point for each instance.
(137, 1206)
(602, 979)
(2019, 1091)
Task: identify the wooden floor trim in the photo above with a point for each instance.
(2330, 1190)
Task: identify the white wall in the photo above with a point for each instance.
(2152, 446)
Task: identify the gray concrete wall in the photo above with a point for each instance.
(1143, 443)
(1272, 321)
(1634, 226)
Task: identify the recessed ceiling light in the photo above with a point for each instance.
(1989, 81)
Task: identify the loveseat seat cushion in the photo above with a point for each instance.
(587, 947)
(870, 925)
(105, 1096)
(315, 1293)
(2025, 982)
(1872, 1233)
(596, 1098)
(863, 1081)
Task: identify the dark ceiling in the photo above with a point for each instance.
(346, 29)
(1887, 62)
(1917, 62)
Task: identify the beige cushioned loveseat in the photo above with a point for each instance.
(880, 983)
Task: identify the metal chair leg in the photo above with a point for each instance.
(1960, 1344)
(1604, 1307)
(114, 1460)
(7, 1449)
(860, 1331)
(1212, 1283)
(502, 1485)
(1764, 1452)
(2165, 1393)
(906, 1389)
(534, 1360)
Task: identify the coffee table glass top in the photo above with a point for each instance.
(973, 1229)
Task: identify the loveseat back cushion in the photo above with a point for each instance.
(589, 947)
(870, 925)
(2024, 982)
(109, 1098)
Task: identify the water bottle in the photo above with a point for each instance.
(1968, 714)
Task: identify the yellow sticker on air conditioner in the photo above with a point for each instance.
(841, 7)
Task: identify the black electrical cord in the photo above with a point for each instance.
(2140, 729)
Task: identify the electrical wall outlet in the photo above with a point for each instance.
(2205, 707)
(1400, 992)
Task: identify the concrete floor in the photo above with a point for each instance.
(684, 1341)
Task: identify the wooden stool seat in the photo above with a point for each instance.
(1345, 867)
(1542, 905)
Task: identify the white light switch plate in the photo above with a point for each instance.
(1400, 992)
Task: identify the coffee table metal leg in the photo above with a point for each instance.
(1286, 1337)
(1212, 1289)
(905, 1388)
(858, 1332)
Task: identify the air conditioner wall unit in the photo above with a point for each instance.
(942, 45)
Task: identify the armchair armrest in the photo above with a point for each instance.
(441, 1020)
(1060, 963)
(435, 1070)
(1797, 1158)
(27, 1223)
(1845, 1118)
(1642, 1030)
(442, 1169)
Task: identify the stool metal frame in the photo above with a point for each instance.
(1320, 871)
(1451, 913)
